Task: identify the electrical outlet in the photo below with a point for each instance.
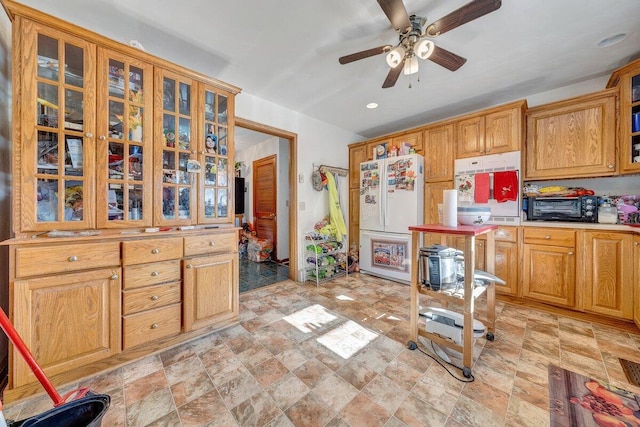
(301, 178)
(302, 206)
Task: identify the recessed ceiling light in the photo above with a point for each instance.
(372, 105)
(611, 40)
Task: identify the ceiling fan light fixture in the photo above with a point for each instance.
(411, 65)
(423, 49)
(394, 58)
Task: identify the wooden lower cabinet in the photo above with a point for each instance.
(66, 320)
(433, 195)
(607, 284)
(549, 266)
(210, 290)
(636, 280)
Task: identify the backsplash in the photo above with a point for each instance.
(618, 185)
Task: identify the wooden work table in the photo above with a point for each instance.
(470, 291)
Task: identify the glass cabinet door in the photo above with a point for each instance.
(175, 149)
(216, 154)
(632, 146)
(57, 135)
(125, 145)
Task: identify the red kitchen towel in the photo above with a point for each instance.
(505, 186)
(482, 188)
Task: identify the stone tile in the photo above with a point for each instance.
(238, 390)
(471, 413)
(257, 411)
(183, 369)
(438, 395)
(524, 414)
(414, 412)
(309, 411)
(269, 371)
(254, 356)
(312, 372)
(141, 368)
(484, 393)
(403, 375)
(385, 393)
(287, 390)
(142, 387)
(292, 358)
(335, 392)
(191, 387)
(208, 409)
(280, 421)
(357, 373)
(177, 354)
(363, 412)
(151, 408)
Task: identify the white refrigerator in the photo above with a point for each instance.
(391, 200)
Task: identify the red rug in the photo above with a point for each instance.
(577, 401)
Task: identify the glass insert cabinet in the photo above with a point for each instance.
(112, 141)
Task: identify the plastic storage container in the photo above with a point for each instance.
(607, 214)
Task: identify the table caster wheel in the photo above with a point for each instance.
(411, 345)
(466, 372)
(490, 336)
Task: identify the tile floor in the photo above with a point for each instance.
(285, 365)
(255, 275)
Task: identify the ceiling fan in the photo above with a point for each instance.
(414, 42)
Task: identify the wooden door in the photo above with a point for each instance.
(67, 320)
(636, 280)
(470, 137)
(548, 274)
(438, 153)
(357, 155)
(265, 191)
(210, 290)
(608, 274)
(502, 131)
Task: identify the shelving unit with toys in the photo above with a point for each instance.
(325, 258)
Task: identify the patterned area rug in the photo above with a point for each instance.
(577, 401)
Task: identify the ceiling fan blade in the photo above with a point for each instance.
(466, 13)
(397, 14)
(393, 75)
(446, 59)
(364, 54)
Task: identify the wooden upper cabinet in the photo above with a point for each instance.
(414, 139)
(438, 153)
(54, 155)
(627, 79)
(494, 131)
(357, 155)
(572, 138)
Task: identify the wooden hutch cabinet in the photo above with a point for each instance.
(127, 157)
(627, 79)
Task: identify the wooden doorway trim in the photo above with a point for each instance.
(293, 189)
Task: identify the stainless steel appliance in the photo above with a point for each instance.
(438, 266)
(579, 209)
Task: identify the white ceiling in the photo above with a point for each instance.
(286, 51)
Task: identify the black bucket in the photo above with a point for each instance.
(84, 412)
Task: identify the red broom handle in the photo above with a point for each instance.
(11, 332)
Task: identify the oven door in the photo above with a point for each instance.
(555, 209)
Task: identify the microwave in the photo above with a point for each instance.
(580, 208)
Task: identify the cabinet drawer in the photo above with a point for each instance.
(506, 234)
(35, 261)
(149, 297)
(211, 243)
(150, 325)
(136, 276)
(550, 236)
(152, 250)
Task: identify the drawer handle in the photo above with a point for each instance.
(73, 258)
(547, 237)
(189, 266)
(154, 326)
(155, 298)
(212, 243)
(114, 277)
(154, 273)
(155, 251)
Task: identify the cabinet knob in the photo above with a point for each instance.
(155, 251)
(155, 298)
(102, 137)
(189, 266)
(479, 245)
(636, 243)
(547, 237)
(114, 277)
(89, 135)
(73, 258)
(212, 243)
(154, 326)
(569, 253)
(154, 273)
(611, 166)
